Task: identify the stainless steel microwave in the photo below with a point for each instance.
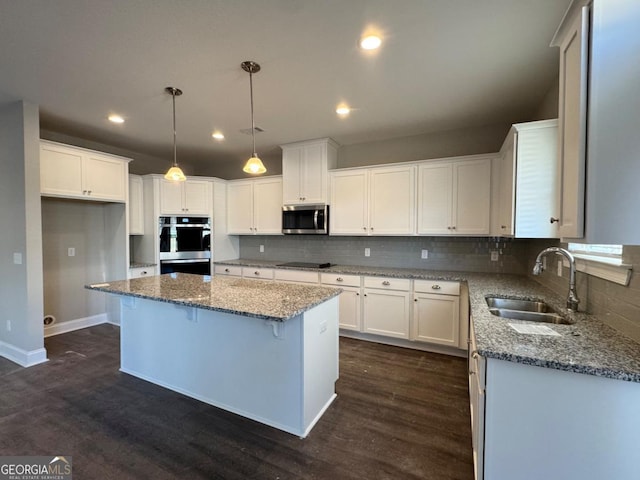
(305, 219)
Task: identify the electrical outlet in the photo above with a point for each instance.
(559, 267)
(367, 252)
(17, 258)
(71, 252)
(494, 255)
(425, 254)
(261, 248)
(8, 325)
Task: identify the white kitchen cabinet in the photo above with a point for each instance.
(477, 370)
(136, 205)
(373, 201)
(572, 38)
(73, 172)
(296, 276)
(254, 207)
(454, 197)
(228, 270)
(305, 167)
(139, 272)
(191, 197)
(258, 272)
(386, 306)
(350, 316)
(528, 181)
(436, 313)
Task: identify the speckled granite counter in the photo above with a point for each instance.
(588, 346)
(251, 298)
(141, 265)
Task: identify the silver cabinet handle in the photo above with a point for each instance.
(554, 220)
(386, 283)
(474, 355)
(436, 287)
(339, 279)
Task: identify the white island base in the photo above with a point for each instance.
(280, 373)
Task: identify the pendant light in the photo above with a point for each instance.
(254, 165)
(175, 172)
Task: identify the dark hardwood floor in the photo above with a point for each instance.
(400, 414)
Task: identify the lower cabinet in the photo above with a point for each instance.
(139, 272)
(228, 270)
(386, 306)
(476, 401)
(436, 312)
(260, 273)
(305, 277)
(350, 299)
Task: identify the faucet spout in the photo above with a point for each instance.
(572, 299)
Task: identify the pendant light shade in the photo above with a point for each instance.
(175, 172)
(254, 165)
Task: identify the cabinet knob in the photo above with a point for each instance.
(339, 279)
(365, 294)
(453, 228)
(471, 372)
(415, 299)
(256, 272)
(554, 220)
(436, 287)
(357, 294)
(474, 354)
(364, 228)
(503, 227)
(386, 283)
(372, 229)
(448, 228)
(226, 270)
(143, 273)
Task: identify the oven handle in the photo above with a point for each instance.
(192, 260)
(315, 219)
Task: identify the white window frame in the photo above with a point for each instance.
(602, 261)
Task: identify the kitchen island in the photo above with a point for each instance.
(266, 351)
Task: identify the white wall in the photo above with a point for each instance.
(21, 301)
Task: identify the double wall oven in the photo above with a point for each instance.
(185, 245)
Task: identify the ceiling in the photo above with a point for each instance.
(443, 65)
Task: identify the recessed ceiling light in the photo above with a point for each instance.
(370, 42)
(217, 135)
(343, 110)
(116, 119)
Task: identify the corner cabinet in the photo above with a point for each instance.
(454, 197)
(254, 207)
(305, 167)
(73, 172)
(373, 201)
(191, 197)
(528, 185)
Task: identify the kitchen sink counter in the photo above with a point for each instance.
(251, 298)
(587, 346)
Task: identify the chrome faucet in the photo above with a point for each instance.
(538, 268)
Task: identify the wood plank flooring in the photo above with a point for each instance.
(400, 414)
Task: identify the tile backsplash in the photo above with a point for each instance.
(444, 253)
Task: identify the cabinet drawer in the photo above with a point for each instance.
(386, 283)
(296, 276)
(261, 273)
(339, 279)
(437, 287)
(139, 272)
(227, 270)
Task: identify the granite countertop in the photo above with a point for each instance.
(252, 298)
(587, 346)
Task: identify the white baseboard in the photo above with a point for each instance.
(400, 342)
(24, 358)
(77, 324)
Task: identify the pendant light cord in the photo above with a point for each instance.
(175, 156)
(253, 125)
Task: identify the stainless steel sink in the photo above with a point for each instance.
(517, 304)
(545, 317)
(530, 310)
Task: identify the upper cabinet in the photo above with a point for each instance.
(305, 167)
(528, 181)
(454, 197)
(254, 207)
(73, 172)
(599, 113)
(136, 205)
(373, 201)
(191, 197)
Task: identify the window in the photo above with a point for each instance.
(605, 253)
(604, 261)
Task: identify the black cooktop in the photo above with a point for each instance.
(304, 265)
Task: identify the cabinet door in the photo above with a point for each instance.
(136, 206)
(292, 158)
(104, 178)
(240, 208)
(60, 171)
(386, 312)
(313, 174)
(197, 197)
(435, 199)
(392, 201)
(267, 206)
(436, 319)
(572, 125)
(349, 315)
(472, 197)
(171, 198)
(507, 184)
(348, 213)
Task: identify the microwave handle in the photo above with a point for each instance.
(315, 219)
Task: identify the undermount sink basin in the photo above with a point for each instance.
(529, 310)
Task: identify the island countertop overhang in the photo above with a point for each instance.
(274, 301)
